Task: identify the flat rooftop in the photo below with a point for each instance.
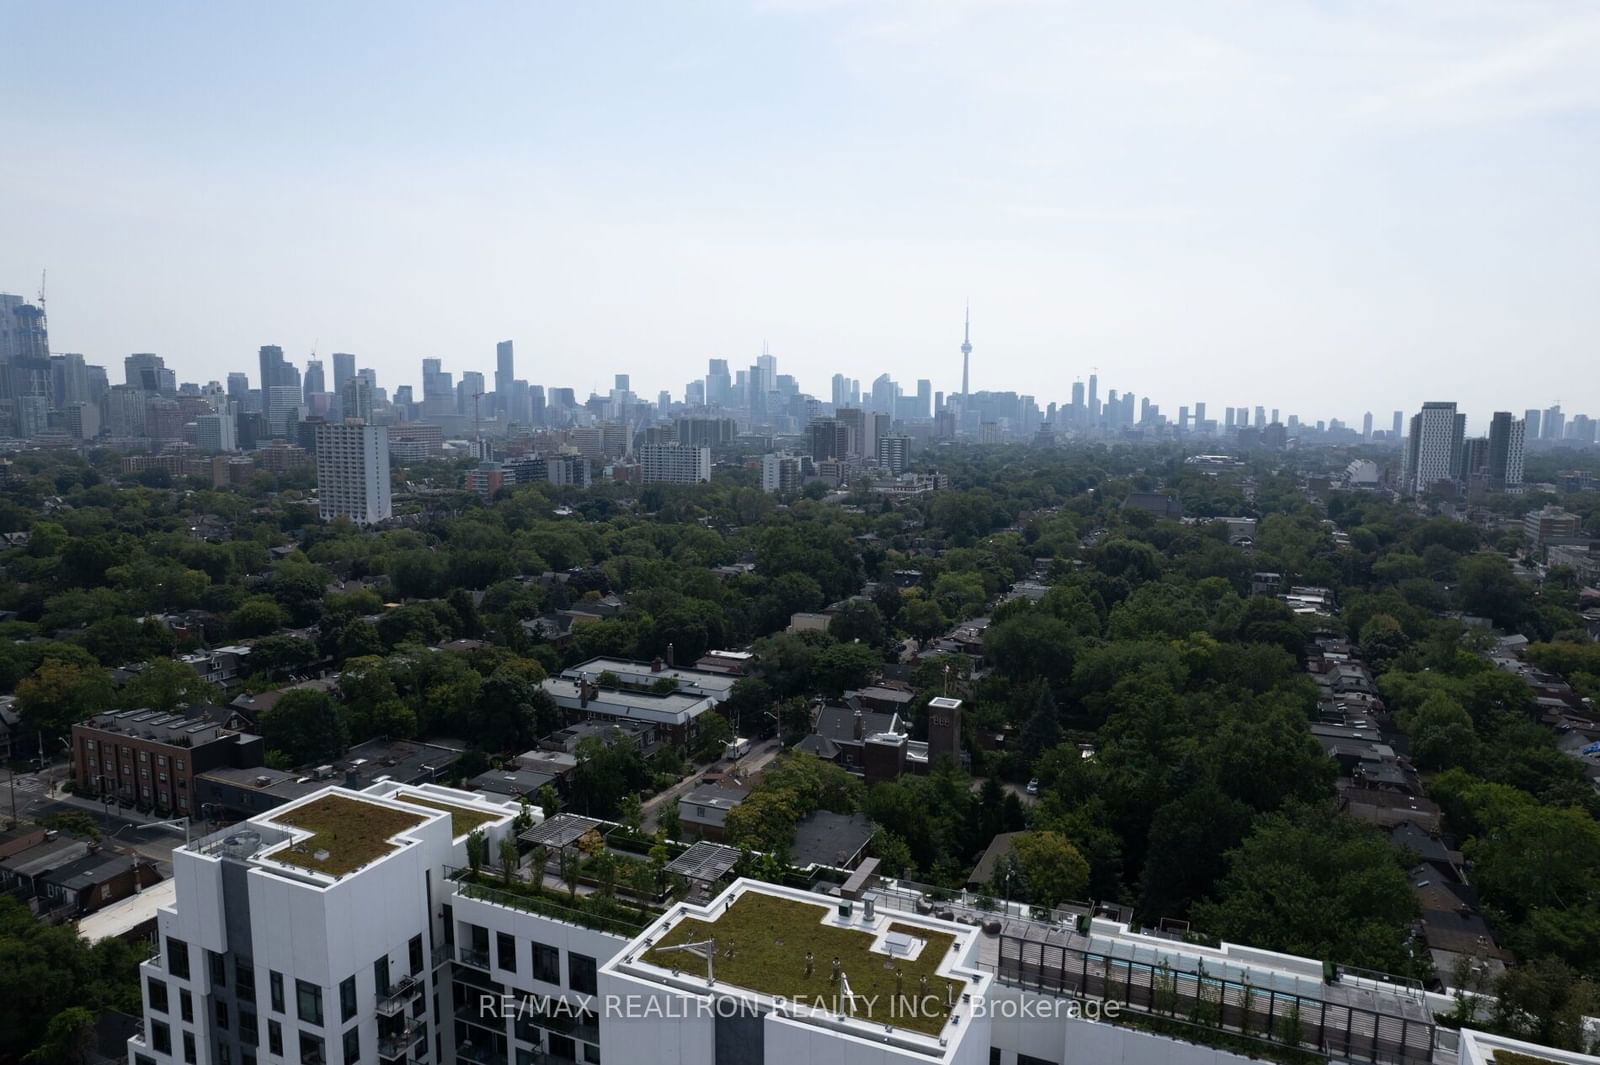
(346, 833)
(464, 819)
(762, 939)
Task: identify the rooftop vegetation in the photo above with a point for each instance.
(762, 941)
(464, 820)
(346, 833)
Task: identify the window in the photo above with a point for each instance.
(224, 1054)
(178, 958)
(311, 1049)
(219, 969)
(222, 1014)
(347, 997)
(249, 1034)
(546, 964)
(994, 1056)
(308, 1002)
(591, 1054)
(186, 1005)
(505, 947)
(275, 1038)
(380, 975)
(160, 1038)
(352, 1045)
(180, 763)
(415, 948)
(1029, 1059)
(188, 1048)
(244, 981)
(559, 1046)
(156, 994)
(275, 980)
(580, 973)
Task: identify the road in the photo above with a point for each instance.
(752, 763)
(1010, 789)
(38, 796)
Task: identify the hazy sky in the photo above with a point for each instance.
(1324, 207)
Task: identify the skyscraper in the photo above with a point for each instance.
(1531, 423)
(356, 399)
(148, 371)
(1366, 425)
(1506, 444)
(314, 380)
(966, 354)
(841, 390)
(505, 372)
(353, 472)
(719, 383)
(924, 398)
(1398, 429)
(1555, 423)
(1434, 446)
(274, 370)
(344, 368)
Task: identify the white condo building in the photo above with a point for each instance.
(674, 464)
(342, 929)
(353, 472)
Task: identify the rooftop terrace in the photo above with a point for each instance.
(346, 833)
(761, 945)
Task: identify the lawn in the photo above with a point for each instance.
(768, 938)
(352, 832)
(463, 819)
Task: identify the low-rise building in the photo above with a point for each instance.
(150, 758)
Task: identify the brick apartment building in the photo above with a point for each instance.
(149, 758)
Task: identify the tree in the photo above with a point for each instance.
(1312, 882)
(303, 727)
(260, 615)
(1052, 869)
(857, 620)
(714, 733)
(59, 694)
(508, 858)
(277, 655)
(843, 666)
(923, 619)
(166, 684)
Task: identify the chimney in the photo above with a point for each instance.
(583, 694)
(670, 655)
(858, 724)
(655, 664)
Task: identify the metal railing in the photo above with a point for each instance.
(396, 1044)
(478, 1054)
(625, 927)
(398, 996)
(477, 959)
(1202, 1001)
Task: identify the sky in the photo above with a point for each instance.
(1323, 207)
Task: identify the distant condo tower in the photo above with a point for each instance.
(966, 351)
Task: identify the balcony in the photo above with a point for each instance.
(394, 1046)
(399, 996)
(479, 1054)
(475, 959)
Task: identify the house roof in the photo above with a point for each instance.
(838, 723)
(827, 838)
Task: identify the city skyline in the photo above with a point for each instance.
(1221, 210)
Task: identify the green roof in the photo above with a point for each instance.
(762, 942)
(346, 833)
(464, 820)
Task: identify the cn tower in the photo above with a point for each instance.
(966, 351)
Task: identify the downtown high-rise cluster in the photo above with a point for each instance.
(278, 414)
